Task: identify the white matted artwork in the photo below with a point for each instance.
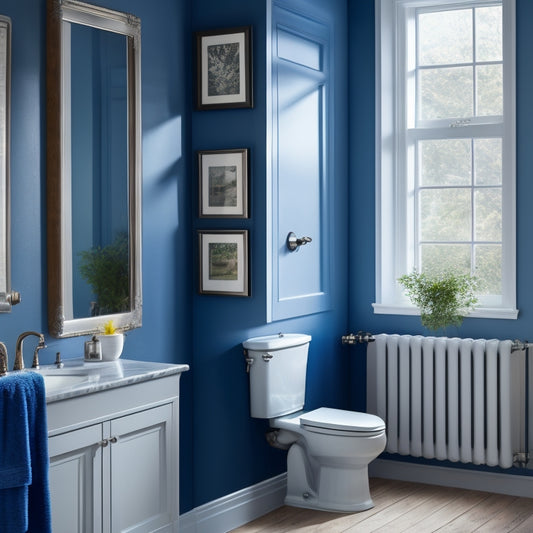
(223, 183)
(223, 259)
(224, 68)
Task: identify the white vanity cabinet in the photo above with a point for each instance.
(114, 459)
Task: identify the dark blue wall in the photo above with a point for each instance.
(222, 448)
(230, 450)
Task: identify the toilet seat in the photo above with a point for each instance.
(341, 422)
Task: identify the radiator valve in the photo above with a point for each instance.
(360, 338)
(521, 459)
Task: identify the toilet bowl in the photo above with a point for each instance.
(328, 449)
(329, 453)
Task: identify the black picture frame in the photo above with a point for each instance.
(224, 68)
(223, 183)
(223, 262)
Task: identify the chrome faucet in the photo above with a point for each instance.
(3, 359)
(19, 359)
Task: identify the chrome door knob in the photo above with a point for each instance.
(294, 242)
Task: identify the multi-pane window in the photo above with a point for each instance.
(446, 149)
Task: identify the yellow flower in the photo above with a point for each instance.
(109, 328)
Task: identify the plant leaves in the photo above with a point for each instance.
(106, 270)
(443, 299)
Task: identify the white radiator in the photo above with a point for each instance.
(447, 398)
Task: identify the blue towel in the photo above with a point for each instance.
(24, 489)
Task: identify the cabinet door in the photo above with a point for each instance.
(75, 480)
(143, 472)
(302, 163)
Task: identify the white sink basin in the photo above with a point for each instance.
(55, 382)
(59, 380)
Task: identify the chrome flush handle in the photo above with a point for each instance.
(249, 361)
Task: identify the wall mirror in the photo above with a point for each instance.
(93, 168)
(7, 296)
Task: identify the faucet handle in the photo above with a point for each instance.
(40, 346)
(58, 362)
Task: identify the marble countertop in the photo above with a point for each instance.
(78, 377)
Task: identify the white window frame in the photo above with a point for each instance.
(393, 231)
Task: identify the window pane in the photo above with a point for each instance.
(489, 90)
(488, 161)
(489, 33)
(445, 37)
(445, 215)
(488, 210)
(488, 268)
(445, 162)
(446, 93)
(438, 258)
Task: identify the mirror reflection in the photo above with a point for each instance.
(99, 147)
(93, 168)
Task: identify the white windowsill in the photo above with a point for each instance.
(482, 312)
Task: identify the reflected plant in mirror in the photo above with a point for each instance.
(105, 269)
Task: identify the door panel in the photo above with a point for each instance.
(75, 480)
(141, 471)
(301, 175)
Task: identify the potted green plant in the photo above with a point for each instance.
(443, 299)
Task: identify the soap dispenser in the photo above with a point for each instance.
(93, 350)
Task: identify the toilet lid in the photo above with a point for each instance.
(327, 418)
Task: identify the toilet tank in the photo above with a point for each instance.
(278, 366)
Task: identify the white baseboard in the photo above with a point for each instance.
(234, 510)
(513, 485)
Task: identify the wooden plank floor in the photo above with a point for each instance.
(412, 507)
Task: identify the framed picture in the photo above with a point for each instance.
(224, 262)
(223, 183)
(224, 68)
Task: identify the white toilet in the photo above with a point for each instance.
(329, 449)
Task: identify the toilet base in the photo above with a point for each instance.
(311, 503)
(329, 488)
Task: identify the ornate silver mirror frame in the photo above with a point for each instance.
(7, 296)
(61, 16)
